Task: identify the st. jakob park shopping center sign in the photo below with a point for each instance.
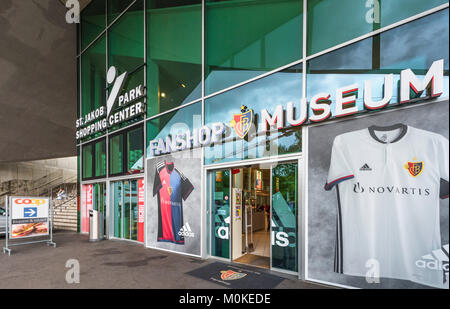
(410, 90)
(130, 103)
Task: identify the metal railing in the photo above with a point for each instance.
(59, 206)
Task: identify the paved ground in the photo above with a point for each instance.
(106, 264)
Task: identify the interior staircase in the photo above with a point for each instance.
(65, 214)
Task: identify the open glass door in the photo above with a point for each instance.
(284, 214)
(250, 212)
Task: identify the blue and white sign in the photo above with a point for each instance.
(30, 212)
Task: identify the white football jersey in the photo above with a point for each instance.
(389, 181)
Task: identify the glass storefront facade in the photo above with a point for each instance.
(200, 63)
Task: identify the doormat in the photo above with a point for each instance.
(236, 277)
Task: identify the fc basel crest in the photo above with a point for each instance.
(231, 275)
(414, 168)
(242, 122)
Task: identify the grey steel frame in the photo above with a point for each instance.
(49, 242)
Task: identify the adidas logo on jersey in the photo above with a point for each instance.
(437, 260)
(186, 231)
(365, 167)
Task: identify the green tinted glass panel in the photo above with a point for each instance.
(93, 21)
(186, 118)
(334, 22)
(220, 213)
(116, 154)
(126, 210)
(284, 216)
(100, 158)
(266, 93)
(87, 161)
(126, 39)
(371, 59)
(174, 54)
(95, 203)
(117, 202)
(93, 77)
(135, 151)
(245, 38)
(134, 210)
(116, 7)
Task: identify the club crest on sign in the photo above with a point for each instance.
(242, 122)
(414, 168)
(231, 275)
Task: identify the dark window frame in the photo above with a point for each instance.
(124, 134)
(93, 144)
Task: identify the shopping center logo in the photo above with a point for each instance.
(414, 168)
(242, 122)
(186, 231)
(228, 275)
(117, 87)
(437, 260)
(131, 102)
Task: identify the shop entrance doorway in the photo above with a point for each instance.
(251, 203)
(254, 215)
(125, 213)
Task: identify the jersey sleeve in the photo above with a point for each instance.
(340, 169)
(186, 187)
(443, 153)
(157, 185)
